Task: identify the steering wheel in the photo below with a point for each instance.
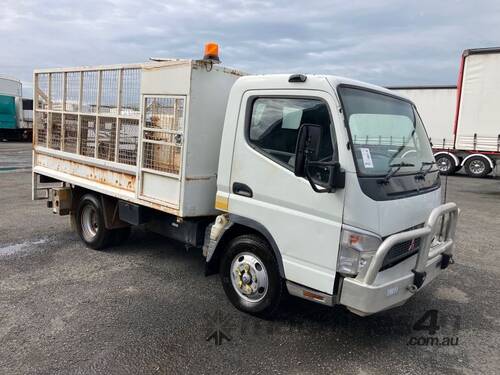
(407, 152)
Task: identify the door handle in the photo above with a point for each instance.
(242, 189)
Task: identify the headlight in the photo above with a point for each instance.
(356, 251)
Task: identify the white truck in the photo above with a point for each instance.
(462, 121)
(319, 186)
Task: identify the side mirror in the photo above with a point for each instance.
(307, 149)
(328, 175)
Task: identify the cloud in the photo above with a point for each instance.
(385, 42)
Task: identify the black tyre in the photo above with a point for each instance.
(250, 276)
(446, 164)
(90, 223)
(477, 166)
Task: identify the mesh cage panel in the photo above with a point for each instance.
(41, 128)
(70, 133)
(104, 102)
(56, 91)
(131, 92)
(106, 138)
(90, 91)
(109, 91)
(87, 135)
(42, 91)
(128, 141)
(162, 137)
(72, 91)
(162, 157)
(55, 131)
(165, 113)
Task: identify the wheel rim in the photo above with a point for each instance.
(477, 166)
(443, 164)
(249, 277)
(89, 223)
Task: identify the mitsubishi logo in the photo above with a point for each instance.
(412, 245)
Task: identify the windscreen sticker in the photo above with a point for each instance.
(367, 157)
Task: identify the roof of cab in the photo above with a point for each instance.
(313, 81)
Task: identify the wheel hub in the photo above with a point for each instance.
(249, 277)
(246, 278)
(89, 223)
(443, 164)
(477, 166)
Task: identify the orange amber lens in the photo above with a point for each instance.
(211, 49)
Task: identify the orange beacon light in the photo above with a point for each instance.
(211, 52)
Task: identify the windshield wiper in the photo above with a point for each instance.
(423, 172)
(391, 172)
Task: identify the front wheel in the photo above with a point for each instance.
(250, 276)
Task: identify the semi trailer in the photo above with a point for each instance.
(316, 186)
(15, 114)
(462, 120)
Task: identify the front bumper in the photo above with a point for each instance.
(375, 291)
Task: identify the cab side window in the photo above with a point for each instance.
(275, 123)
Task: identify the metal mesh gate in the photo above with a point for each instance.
(162, 136)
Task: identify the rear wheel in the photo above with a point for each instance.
(90, 223)
(250, 276)
(477, 166)
(446, 164)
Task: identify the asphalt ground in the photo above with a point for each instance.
(146, 306)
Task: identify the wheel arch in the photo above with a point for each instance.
(492, 165)
(239, 225)
(455, 157)
(109, 206)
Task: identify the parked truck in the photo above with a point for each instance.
(462, 121)
(317, 186)
(15, 115)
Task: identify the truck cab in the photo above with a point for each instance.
(330, 191)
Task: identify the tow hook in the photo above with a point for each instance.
(446, 260)
(419, 278)
(412, 288)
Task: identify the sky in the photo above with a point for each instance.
(386, 42)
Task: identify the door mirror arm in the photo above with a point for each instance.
(336, 176)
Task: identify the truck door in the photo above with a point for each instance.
(305, 225)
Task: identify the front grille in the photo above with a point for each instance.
(400, 252)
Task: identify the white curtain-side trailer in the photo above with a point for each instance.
(436, 105)
(463, 121)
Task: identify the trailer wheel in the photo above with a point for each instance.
(90, 223)
(446, 164)
(477, 166)
(250, 276)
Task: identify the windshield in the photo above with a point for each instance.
(386, 133)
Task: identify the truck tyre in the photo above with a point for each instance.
(446, 164)
(90, 223)
(250, 276)
(477, 166)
